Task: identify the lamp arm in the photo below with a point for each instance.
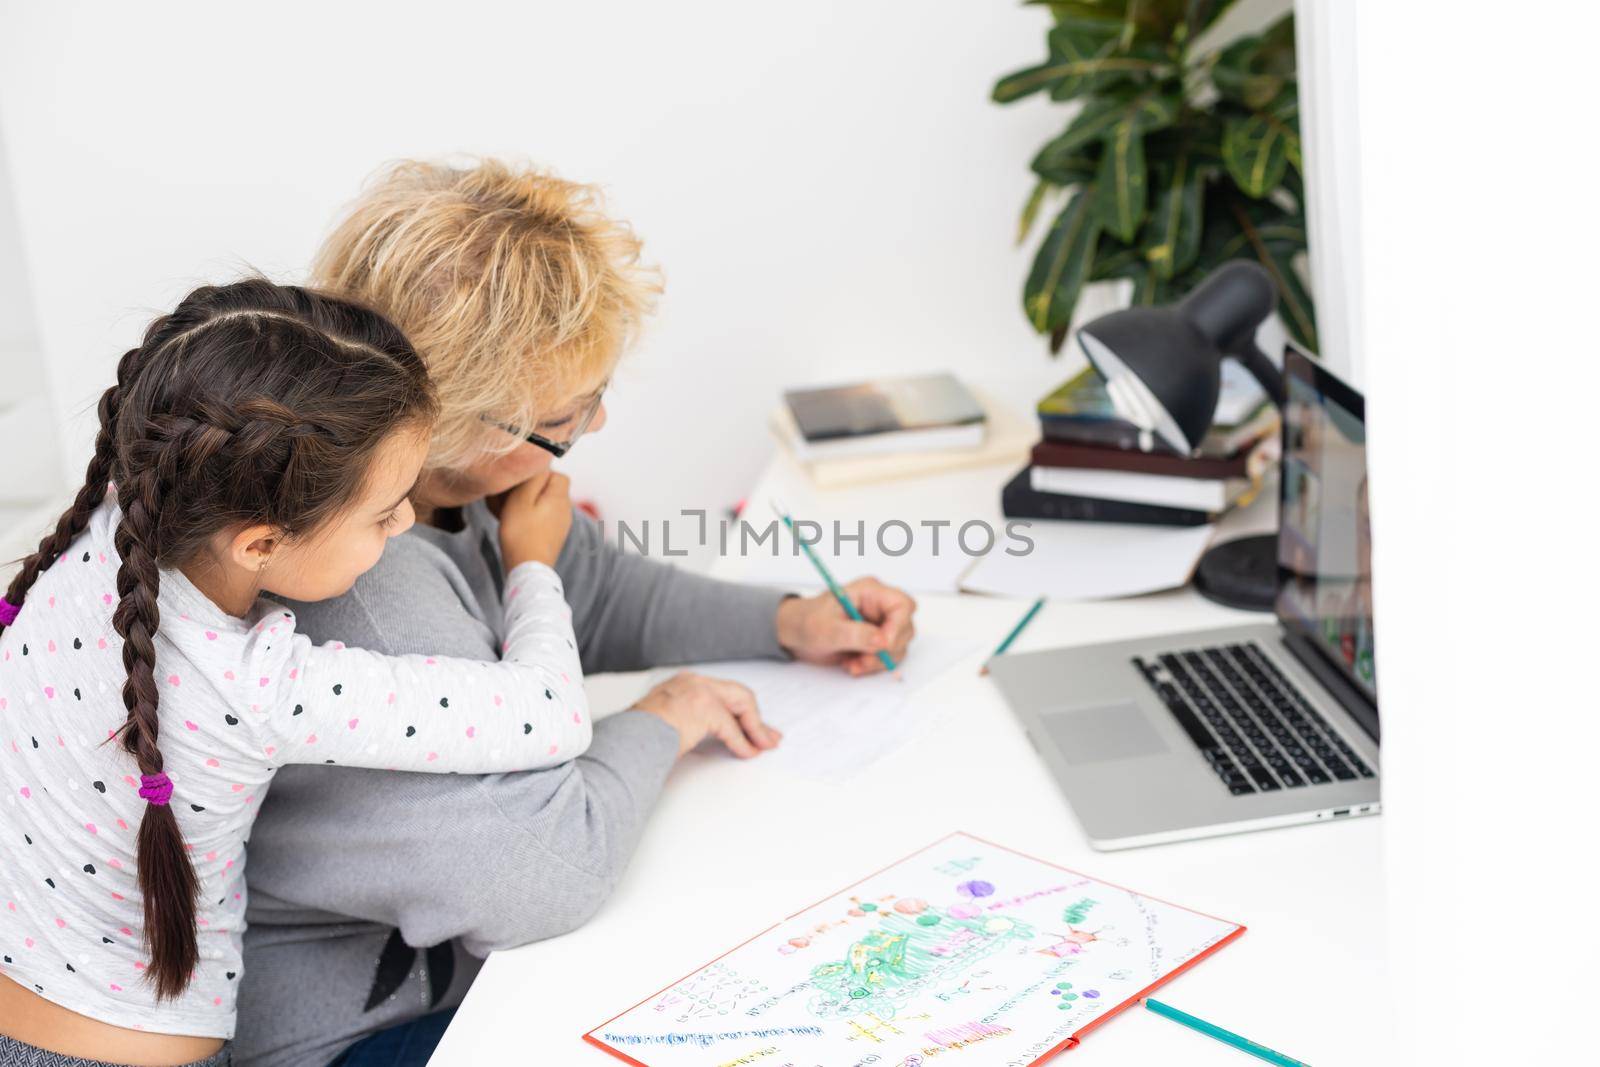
(1261, 369)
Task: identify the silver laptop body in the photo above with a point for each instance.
(1136, 733)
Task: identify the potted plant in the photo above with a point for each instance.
(1175, 160)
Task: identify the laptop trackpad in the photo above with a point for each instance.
(1107, 732)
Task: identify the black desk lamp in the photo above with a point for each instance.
(1163, 370)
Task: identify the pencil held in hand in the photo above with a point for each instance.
(833, 586)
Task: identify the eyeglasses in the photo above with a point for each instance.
(561, 435)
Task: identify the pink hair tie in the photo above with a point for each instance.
(156, 788)
(8, 612)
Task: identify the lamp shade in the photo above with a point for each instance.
(1160, 369)
(1163, 366)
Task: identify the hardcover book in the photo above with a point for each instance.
(890, 415)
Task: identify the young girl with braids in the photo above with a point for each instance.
(261, 440)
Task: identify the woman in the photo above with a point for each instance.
(521, 295)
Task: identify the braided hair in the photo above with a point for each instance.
(251, 403)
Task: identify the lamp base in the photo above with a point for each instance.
(1240, 574)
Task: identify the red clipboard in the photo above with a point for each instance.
(1069, 1042)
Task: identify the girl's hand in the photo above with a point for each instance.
(535, 518)
(699, 707)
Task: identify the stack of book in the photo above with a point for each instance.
(1090, 467)
(896, 428)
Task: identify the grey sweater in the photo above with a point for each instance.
(340, 858)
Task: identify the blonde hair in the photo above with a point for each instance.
(514, 286)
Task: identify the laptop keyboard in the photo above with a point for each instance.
(1251, 724)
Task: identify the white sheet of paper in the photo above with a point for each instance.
(1092, 561)
(963, 944)
(834, 725)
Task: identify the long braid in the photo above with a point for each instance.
(95, 480)
(250, 403)
(156, 451)
(167, 880)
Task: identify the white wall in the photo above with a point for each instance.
(826, 184)
(1478, 297)
(30, 470)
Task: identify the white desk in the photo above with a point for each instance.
(733, 847)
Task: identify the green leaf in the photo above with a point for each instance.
(1149, 288)
(1084, 57)
(1296, 186)
(1062, 265)
(1025, 82)
(1202, 146)
(1114, 260)
(1254, 70)
(1249, 90)
(1255, 150)
(1121, 197)
(1173, 243)
(1147, 110)
(1270, 236)
(1068, 10)
(1295, 305)
(1030, 210)
(1066, 170)
(1276, 55)
(1285, 113)
(1146, 20)
(1232, 220)
(1092, 59)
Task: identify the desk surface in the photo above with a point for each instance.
(734, 846)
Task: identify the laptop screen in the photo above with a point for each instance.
(1324, 536)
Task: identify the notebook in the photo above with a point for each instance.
(1163, 490)
(1007, 435)
(1019, 500)
(964, 948)
(1246, 463)
(890, 415)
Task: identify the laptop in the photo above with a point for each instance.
(1242, 727)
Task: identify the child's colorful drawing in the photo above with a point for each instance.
(964, 943)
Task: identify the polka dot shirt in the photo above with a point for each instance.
(239, 698)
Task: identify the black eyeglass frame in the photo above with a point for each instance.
(555, 448)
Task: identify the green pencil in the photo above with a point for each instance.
(833, 586)
(1015, 630)
(1227, 1037)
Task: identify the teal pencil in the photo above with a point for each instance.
(1227, 1037)
(833, 586)
(1015, 630)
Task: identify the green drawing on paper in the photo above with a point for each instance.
(923, 963)
(904, 954)
(1076, 913)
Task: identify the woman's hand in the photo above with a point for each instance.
(816, 629)
(535, 518)
(699, 707)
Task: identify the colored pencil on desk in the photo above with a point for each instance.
(833, 586)
(1227, 1037)
(1015, 630)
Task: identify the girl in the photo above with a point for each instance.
(262, 439)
